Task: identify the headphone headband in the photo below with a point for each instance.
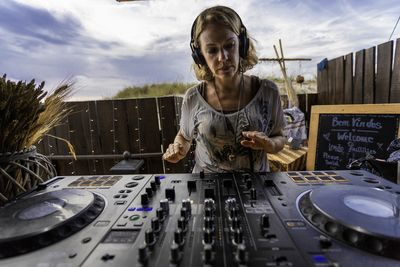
(243, 41)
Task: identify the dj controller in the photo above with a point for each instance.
(315, 218)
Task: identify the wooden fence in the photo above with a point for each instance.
(100, 131)
(370, 76)
(144, 127)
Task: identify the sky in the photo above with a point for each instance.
(105, 45)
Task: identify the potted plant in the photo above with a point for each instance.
(27, 114)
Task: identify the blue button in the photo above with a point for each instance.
(161, 176)
(144, 209)
(320, 259)
(131, 209)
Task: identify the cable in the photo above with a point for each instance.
(394, 28)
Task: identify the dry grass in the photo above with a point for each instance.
(27, 115)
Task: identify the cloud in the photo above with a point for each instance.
(106, 45)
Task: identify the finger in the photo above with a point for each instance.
(247, 143)
(250, 134)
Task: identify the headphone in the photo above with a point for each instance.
(243, 42)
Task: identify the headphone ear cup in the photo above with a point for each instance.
(198, 57)
(243, 45)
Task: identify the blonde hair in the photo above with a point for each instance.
(224, 16)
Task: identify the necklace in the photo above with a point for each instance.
(231, 154)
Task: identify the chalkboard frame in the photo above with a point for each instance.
(317, 110)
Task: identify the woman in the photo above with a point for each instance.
(235, 119)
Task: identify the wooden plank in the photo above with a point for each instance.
(150, 135)
(79, 134)
(395, 85)
(122, 128)
(105, 120)
(322, 85)
(149, 131)
(339, 80)
(62, 131)
(383, 72)
(359, 78)
(348, 79)
(331, 82)
(169, 129)
(96, 166)
(132, 110)
(369, 76)
(342, 109)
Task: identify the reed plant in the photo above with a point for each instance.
(28, 113)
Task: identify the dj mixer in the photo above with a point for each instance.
(315, 218)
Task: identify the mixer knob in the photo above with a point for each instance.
(149, 191)
(209, 203)
(253, 193)
(144, 199)
(164, 204)
(153, 185)
(142, 251)
(155, 225)
(208, 212)
(264, 221)
(182, 223)
(235, 223)
(233, 212)
(160, 214)
(209, 223)
(170, 193)
(188, 205)
(230, 203)
(149, 238)
(249, 183)
(157, 180)
(238, 237)
(208, 237)
(175, 254)
(185, 213)
(241, 255)
(178, 237)
(208, 254)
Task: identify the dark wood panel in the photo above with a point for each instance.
(348, 79)
(395, 85)
(105, 120)
(339, 80)
(369, 76)
(96, 166)
(322, 86)
(383, 72)
(79, 135)
(169, 125)
(132, 110)
(169, 129)
(359, 78)
(121, 125)
(150, 135)
(331, 81)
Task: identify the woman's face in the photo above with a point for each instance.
(220, 48)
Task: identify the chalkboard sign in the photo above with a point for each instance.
(340, 134)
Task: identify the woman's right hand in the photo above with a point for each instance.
(174, 153)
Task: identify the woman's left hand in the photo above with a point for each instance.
(258, 141)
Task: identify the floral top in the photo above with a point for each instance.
(218, 146)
